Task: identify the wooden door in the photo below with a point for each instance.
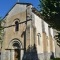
(17, 54)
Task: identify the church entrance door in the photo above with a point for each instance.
(17, 51)
(17, 54)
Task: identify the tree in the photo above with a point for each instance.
(57, 37)
(50, 10)
(1, 29)
(31, 53)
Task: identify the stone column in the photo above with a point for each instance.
(3, 55)
(21, 54)
(8, 54)
(12, 55)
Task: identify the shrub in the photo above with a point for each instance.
(56, 59)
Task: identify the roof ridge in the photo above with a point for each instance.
(24, 3)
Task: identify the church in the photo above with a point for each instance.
(24, 27)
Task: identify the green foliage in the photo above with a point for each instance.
(31, 53)
(57, 37)
(1, 29)
(50, 9)
(56, 59)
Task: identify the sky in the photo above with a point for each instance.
(5, 5)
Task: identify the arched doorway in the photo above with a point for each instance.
(17, 51)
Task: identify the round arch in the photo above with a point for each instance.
(17, 20)
(15, 44)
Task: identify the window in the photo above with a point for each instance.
(16, 26)
(39, 38)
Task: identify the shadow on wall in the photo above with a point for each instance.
(31, 53)
(52, 55)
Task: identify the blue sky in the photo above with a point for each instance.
(5, 5)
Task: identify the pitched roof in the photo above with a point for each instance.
(34, 10)
(13, 7)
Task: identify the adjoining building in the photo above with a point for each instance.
(24, 27)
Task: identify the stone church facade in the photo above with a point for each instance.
(25, 27)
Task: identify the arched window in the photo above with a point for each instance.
(39, 38)
(16, 26)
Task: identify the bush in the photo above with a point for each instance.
(56, 59)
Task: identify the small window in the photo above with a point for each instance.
(16, 26)
(38, 38)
